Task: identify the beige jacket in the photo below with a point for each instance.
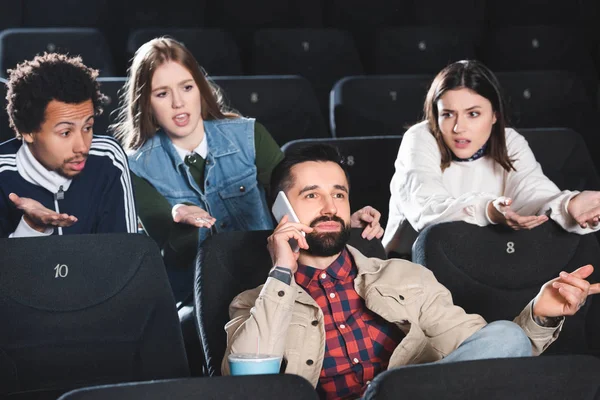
(285, 320)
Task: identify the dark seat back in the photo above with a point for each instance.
(19, 44)
(564, 157)
(377, 105)
(85, 310)
(495, 271)
(285, 105)
(215, 49)
(256, 387)
(228, 264)
(11, 15)
(573, 377)
(541, 47)
(322, 56)
(421, 49)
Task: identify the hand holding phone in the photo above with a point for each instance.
(282, 207)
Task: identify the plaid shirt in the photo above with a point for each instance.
(358, 342)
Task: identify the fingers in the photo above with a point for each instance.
(379, 233)
(582, 272)
(518, 222)
(574, 281)
(284, 224)
(370, 215)
(502, 203)
(535, 222)
(594, 289)
(58, 220)
(291, 232)
(367, 217)
(570, 295)
(198, 221)
(569, 289)
(591, 217)
(195, 216)
(15, 199)
(370, 232)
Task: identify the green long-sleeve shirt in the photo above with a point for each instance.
(179, 242)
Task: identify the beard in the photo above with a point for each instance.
(325, 244)
(69, 174)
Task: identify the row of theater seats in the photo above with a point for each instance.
(97, 309)
(550, 378)
(324, 56)
(244, 16)
(407, 49)
(376, 105)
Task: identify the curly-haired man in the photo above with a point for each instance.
(56, 177)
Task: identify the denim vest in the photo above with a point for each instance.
(231, 192)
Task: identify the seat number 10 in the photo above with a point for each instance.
(61, 271)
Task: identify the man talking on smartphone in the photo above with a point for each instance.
(339, 318)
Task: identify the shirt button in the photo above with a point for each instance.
(355, 361)
(323, 275)
(281, 293)
(309, 362)
(207, 183)
(332, 295)
(342, 326)
(315, 323)
(223, 225)
(242, 189)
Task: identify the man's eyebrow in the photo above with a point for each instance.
(341, 187)
(313, 187)
(308, 188)
(72, 123)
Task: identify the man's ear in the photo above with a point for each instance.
(27, 137)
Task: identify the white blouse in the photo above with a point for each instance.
(423, 195)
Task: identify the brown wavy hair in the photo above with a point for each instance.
(477, 77)
(136, 122)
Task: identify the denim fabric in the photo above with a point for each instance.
(231, 192)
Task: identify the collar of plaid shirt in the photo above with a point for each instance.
(358, 342)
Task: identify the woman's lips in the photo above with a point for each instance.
(181, 120)
(462, 143)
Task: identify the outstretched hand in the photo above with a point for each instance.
(367, 218)
(500, 213)
(566, 294)
(585, 208)
(193, 215)
(39, 217)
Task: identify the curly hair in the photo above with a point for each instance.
(51, 76)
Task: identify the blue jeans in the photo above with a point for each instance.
(499, 339)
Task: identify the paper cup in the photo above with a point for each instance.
(253, 364)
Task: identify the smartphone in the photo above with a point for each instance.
(282, 207)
